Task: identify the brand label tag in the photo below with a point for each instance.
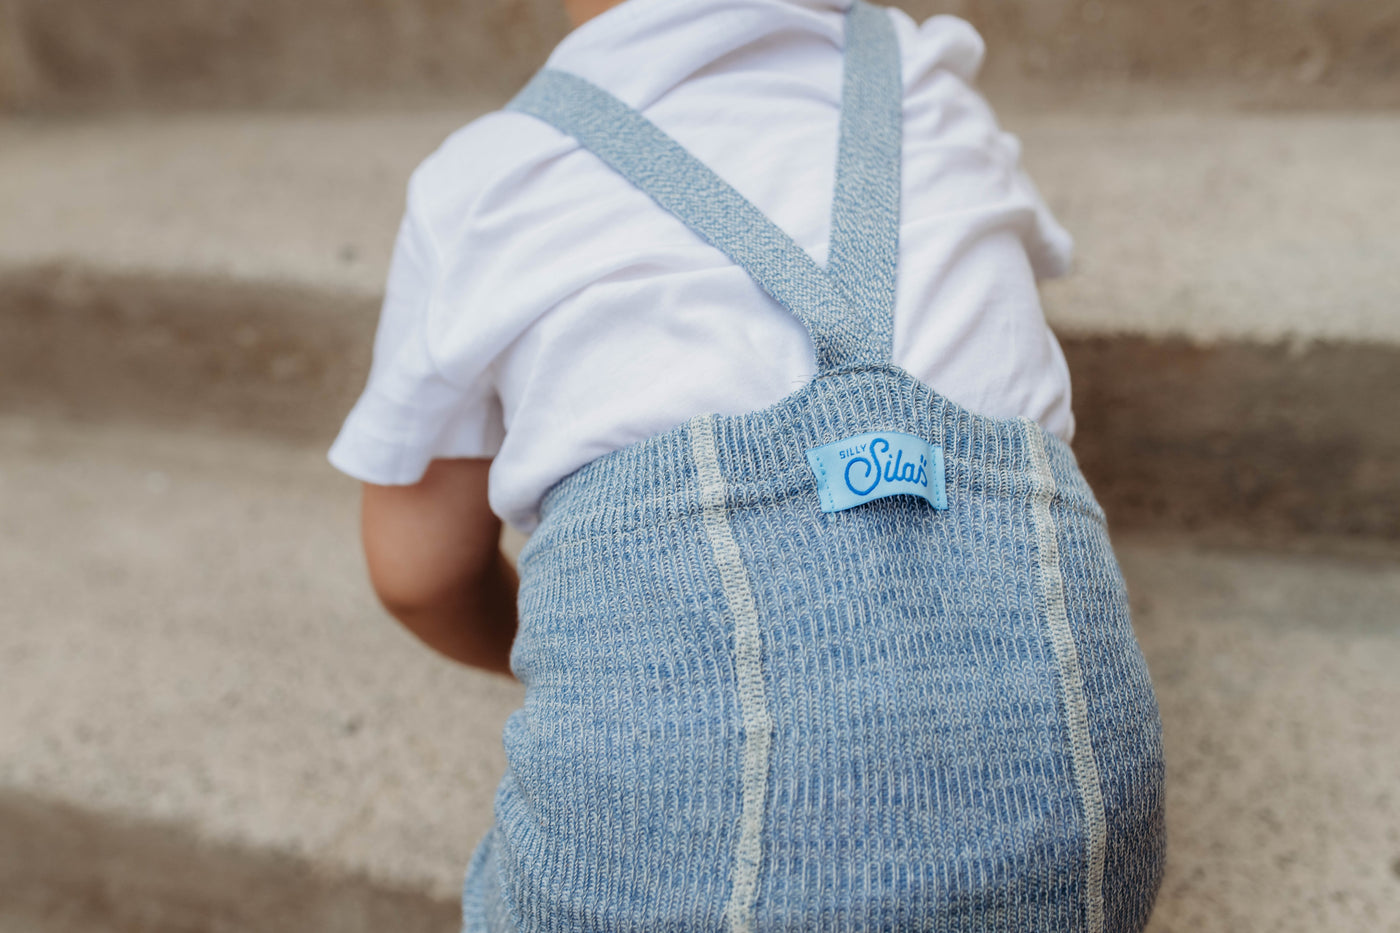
(867, 467)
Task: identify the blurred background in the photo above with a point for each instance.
(206, 723)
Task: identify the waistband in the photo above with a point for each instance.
(762, 455)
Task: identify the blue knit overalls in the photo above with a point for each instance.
(776, 677)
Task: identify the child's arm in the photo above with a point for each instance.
(435, 561)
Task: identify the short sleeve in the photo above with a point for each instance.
(409, 413)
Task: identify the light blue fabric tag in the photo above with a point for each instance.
(867, 467)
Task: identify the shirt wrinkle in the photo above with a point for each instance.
(521, 227)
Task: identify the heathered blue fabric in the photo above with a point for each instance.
(951, 726)
(864, 246)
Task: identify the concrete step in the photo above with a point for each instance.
(209, 725)
(1231, 326)
(71, 54)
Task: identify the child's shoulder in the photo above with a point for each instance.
(495, 151)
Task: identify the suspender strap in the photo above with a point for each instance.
(864, 248)
(658, 165)
(849, 312)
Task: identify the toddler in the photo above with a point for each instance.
(734, 309)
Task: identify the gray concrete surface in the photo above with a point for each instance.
(1269, 439)
(195, 674)
(305, 199)
(189, 637)
(67, 54)
(1259, 227)
(66, 868)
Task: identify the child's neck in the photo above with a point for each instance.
(581, 11)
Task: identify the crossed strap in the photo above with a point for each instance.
(848, 308)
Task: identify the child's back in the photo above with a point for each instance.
(533, 286)
(858, 659)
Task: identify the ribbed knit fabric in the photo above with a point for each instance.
(744, 713)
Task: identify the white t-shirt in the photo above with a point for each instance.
(542, 311)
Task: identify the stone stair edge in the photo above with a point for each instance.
(79, 285)
(100, 867)
(71, 54)
(76, 284)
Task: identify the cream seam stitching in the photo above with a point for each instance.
(748, 664)
(1086, 771)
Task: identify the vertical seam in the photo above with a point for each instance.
(1086, 771)
(748, 665)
